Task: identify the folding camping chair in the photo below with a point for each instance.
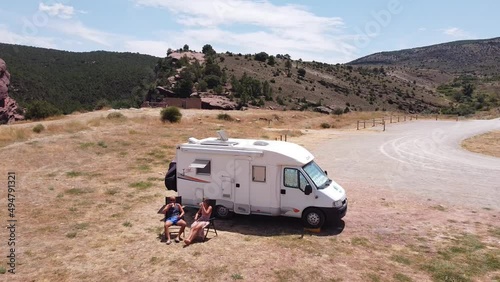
(211, 221)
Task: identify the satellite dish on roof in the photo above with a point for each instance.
(222, 135)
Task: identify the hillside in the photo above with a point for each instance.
(76, 81)
(459, 57)
(466, 73)
(269, 81)
(454, 78)
(337, 86)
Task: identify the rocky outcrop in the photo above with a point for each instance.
(9, 111)
(4, 80)
(323, 110)
(191, 56)
(213, 102)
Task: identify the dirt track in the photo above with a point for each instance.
(422, 158)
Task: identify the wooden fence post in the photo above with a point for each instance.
(383, 122)
(357, 125)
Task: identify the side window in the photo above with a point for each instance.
(259, 173)
(302, 182)
(293, 178)
(205, 169)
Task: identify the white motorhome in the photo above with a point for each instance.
(247, 176)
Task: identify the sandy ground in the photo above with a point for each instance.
(412, 192)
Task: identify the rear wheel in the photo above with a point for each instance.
(313, 218)
(222, 212)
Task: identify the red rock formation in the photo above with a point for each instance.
(9, 111)
(213, 102)
(192, 56)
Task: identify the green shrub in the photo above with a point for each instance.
(224, 116)
(338, 111)
(171, 114)
(71, 235)
(122, 104)
(219, 89)
(41, 110)
(38, 128)
(115, 115)
(202, 85)
(102, 144)
(212, 81)
(301, 72)
(325, 125)
(101, 104)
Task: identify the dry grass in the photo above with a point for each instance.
(488, 144)
(90, 187)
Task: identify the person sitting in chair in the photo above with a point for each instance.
(173, 216)
(201, 220)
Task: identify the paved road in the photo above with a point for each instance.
(423, 158)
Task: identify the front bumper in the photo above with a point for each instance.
(335, 213)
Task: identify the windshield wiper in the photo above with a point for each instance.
(326, 184)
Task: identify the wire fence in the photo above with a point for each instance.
(362, 124)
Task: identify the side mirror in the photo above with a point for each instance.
(326, 172)
(308, 189)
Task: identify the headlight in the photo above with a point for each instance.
(337, 204)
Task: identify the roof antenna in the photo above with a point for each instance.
(222, 135)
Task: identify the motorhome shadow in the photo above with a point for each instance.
(260, 177)
(268, 226)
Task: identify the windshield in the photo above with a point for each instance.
(317, 175)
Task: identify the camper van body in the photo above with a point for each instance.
(264, 177)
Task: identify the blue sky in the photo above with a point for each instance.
(328, 31)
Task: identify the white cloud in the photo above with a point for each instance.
(456, 32)
(76, 28)
(254, 26)
(260, 13)
(422, 29)
(12, 38)
(57, 10)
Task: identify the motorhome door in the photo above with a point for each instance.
(293, 196)
(242, 186)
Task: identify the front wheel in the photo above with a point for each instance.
(222, 212)
(313, 218)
